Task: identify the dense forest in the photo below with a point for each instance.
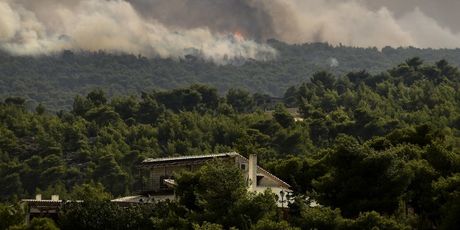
(54, 80)
(375, 149)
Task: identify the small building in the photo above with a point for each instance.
(160, 180)
(39, 207)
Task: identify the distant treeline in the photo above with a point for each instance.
(55, 80)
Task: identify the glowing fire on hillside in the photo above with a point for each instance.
(238, 36)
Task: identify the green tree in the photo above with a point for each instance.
(283, 117)
(373, 220)
(90, 192)
(107, 215)
(217, 193)
(40, 109)
(41, 224)
(357, 175)
(318, 218)
(267, 224)
(207, 226)
(10, 215)
(240, 100)
(325, 79)
(220, 188)
(97, 97)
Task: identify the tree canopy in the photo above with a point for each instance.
(374, 149)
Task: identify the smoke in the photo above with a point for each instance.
(428, 32)
(218, 30)
(31, 28)
(353, 23)
(249, 17)
(333, 62)
(348, 22)
(445, 12)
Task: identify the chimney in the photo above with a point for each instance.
(55, 197)
(252, 172)
(38, 197)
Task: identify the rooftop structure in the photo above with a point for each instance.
(161, 173)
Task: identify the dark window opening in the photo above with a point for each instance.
(259, 178)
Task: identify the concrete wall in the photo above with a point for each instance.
(154, 183)
(267, 182)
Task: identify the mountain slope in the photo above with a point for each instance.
(55, 80)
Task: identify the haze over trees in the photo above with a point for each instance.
(55, 80)
(375, 149)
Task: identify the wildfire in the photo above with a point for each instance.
(238, 36)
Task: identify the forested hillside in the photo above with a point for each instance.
(379, 148)
(54, 80)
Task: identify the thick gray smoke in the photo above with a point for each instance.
(248, 17)
(47, 26)
(219, 30)
(445, 12)
(350, 22)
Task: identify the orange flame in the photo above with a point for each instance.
(238, 36)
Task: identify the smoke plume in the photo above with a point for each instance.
(218, 30)
(30, 28)
(352, 22)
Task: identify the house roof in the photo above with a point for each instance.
(195, 157)
(42, 201)
(149, 161)
(274, 177)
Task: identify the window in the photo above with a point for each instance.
(259, 178)
(243, 166)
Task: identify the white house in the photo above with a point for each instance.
(161, 173)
